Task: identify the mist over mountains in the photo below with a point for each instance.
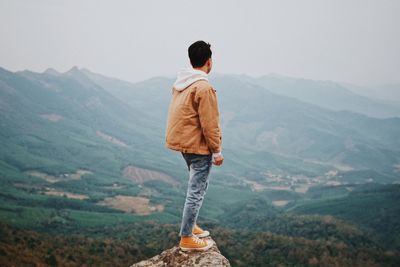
(272, 124)
(80, 149)
(273, 116)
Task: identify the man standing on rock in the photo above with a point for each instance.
(193, 128)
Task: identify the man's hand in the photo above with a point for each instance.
(218, 160)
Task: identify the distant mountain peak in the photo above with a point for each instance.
(75, 72)
(52, 71)
(79, 75)
(3, 70)
(72, 70)
(276, 75)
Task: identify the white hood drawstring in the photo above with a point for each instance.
(188, 76)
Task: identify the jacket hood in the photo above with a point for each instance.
(188, 76)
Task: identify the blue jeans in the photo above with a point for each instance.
(199, 167)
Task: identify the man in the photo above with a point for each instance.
(193, 128)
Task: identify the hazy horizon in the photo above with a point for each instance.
(353, 42)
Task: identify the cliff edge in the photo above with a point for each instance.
(175, 257)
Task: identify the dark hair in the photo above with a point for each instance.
(199, 53)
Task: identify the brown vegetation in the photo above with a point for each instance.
(140, 175)
(62, 177)
(111, 139)
(137, 205)
(54, 192)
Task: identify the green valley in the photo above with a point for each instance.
(86, 178)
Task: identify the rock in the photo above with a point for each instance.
(175, 257)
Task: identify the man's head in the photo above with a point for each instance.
(200, 56)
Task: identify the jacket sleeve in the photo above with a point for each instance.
(209, 118)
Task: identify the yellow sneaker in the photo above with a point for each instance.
(194, 243)
(200, 232)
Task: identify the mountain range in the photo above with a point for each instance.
(81, 149)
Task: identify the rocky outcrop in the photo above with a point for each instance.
(175, 257)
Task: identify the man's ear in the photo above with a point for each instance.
(209, 64)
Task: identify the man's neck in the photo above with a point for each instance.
(203, 69)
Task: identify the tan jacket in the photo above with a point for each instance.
(193, 124)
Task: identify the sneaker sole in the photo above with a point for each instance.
(197, 249)
(205, 234)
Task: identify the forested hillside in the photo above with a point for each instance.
(86, 179)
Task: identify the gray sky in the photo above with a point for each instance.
(354, 41)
